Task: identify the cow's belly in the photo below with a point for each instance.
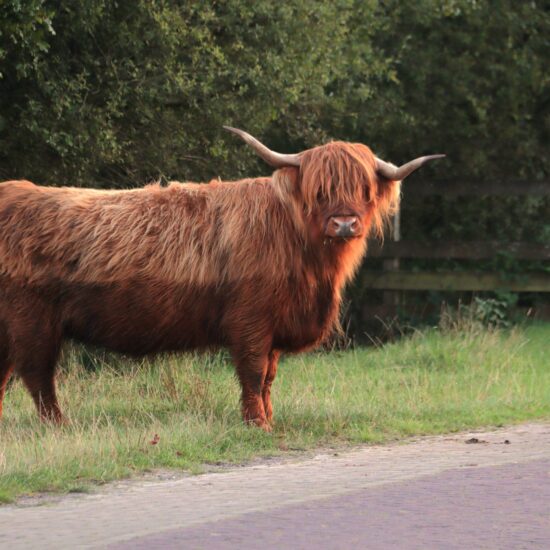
(303, 338)
(143, 318)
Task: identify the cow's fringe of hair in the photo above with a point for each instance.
(344, 173)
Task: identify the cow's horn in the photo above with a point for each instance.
(277, 160)
(395, 173)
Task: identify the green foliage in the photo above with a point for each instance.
(25, 29)
(117, 93)
(132, 91)
(473, 81)
(482, 313)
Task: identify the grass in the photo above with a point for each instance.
(432, 382)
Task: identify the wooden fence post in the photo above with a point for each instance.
(391, 297)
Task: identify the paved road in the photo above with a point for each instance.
(432, 493)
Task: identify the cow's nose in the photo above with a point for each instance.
(344, 226)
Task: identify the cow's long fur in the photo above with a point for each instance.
(240, 264)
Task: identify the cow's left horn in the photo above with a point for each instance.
(277, 160)
(395, 173)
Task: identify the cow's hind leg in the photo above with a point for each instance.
(6, 369)
(35, 355)
(38, 374)
(273, 360)
(5, 373)
(6, 366)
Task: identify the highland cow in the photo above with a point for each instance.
(256, 266)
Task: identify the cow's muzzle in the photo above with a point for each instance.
(344, 227)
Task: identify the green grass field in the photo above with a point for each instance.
(432, 382)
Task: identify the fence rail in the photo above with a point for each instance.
(392, 277)
(453, 281)
(478, 250)
(469, 188)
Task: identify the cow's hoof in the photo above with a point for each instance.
(261, 423)
(265, 426)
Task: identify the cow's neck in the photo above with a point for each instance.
(335, 265)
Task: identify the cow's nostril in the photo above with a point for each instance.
(344, 226)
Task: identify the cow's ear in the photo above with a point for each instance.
(385, 186)
(286, 180)
(388, 195)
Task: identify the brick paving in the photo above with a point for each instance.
(500, 507)
(436, 492)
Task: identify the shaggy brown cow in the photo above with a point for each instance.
(256, 265)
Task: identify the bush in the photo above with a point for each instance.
(117, 93)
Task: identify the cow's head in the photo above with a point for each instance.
(344, 189)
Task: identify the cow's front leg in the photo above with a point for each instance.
(251, 370)
(273, 360)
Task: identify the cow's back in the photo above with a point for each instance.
(86, 236)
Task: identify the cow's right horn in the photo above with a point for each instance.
(391, 172)
(277, 160)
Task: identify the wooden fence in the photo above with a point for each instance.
(393, 279)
